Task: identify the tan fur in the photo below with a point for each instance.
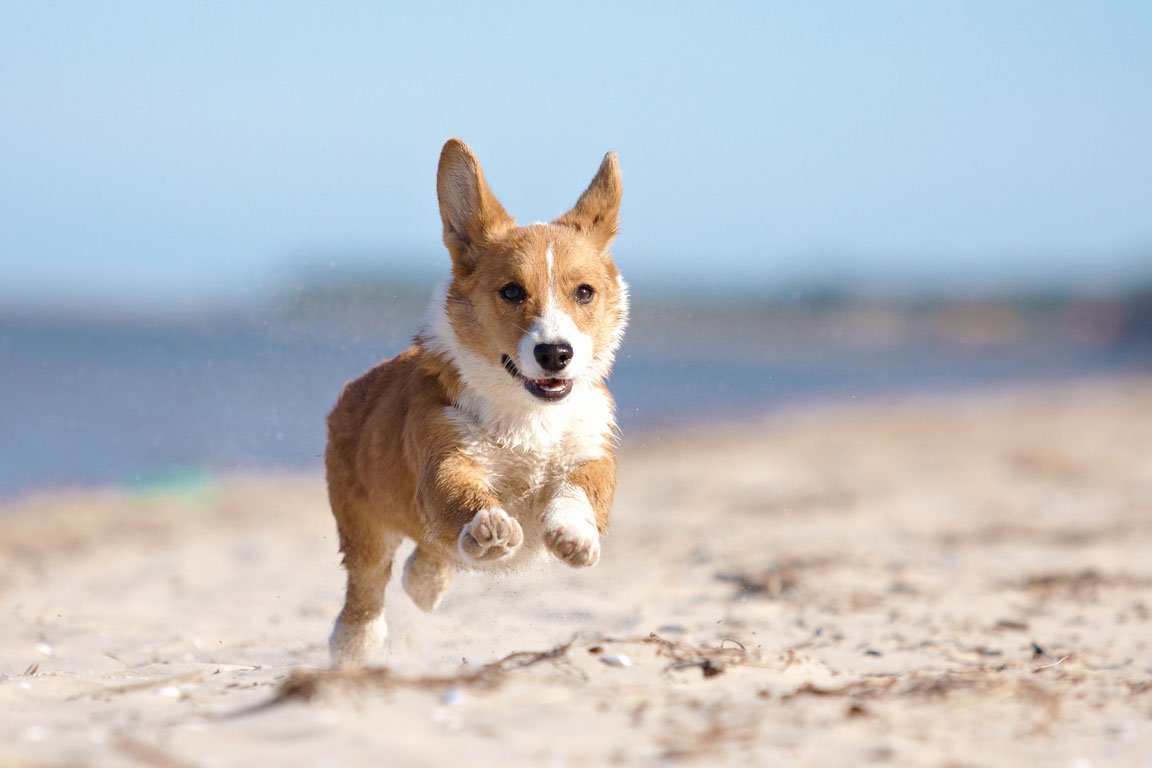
(475, 473)
(598, 479)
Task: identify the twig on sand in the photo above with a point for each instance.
(307, 684)
(147, 684)
(1056, 663)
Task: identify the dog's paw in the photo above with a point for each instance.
(353, 644)
(426, 577)
(569, 532)
(490, 536)
(574, 542)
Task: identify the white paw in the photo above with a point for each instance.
(577, 545)
(491, 535)
(426, 577)
(569, 532)
(352, 645)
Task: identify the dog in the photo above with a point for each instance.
(490, 442)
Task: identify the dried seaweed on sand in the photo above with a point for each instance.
(305, 685)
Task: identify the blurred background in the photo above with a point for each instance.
(214, 214)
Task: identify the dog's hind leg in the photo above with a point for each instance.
(360, 628)
(426, 577)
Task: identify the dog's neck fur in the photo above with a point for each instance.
(489, 407)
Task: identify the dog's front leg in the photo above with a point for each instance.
(578, 514)
(462, 513)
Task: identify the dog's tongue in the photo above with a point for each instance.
(550, 384)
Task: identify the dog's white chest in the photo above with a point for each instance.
(526, 460)
(522, 480)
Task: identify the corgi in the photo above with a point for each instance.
(490, 442)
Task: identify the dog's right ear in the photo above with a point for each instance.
(469, 211)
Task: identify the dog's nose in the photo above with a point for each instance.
(553, 357)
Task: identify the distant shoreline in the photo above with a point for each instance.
(94, 401)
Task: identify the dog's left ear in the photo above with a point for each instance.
(597, 212)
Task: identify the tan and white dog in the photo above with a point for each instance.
(491, 439)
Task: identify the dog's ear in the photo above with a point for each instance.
(470, 212)
(597, 212)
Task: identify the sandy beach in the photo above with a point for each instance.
(960, 580)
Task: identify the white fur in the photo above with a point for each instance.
(354, 644)
(569, 508)
(604, 363)
(570, 526)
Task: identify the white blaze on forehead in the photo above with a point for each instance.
(548, 258)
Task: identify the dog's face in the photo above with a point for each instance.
(544, 304)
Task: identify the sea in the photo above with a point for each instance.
(148, 402)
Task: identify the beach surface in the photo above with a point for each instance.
(959, 580)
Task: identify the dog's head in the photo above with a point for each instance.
(541, 307)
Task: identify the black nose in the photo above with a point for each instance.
(553, 357)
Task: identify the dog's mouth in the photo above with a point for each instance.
(544, 389)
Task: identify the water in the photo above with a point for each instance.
(138, 404)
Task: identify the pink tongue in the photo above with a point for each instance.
(551, 383)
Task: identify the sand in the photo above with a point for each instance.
(961, 580)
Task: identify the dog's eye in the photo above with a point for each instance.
(513, 293)
(584, 294)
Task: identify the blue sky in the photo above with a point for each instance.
(162, 154)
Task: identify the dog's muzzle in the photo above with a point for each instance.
(549, 390)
